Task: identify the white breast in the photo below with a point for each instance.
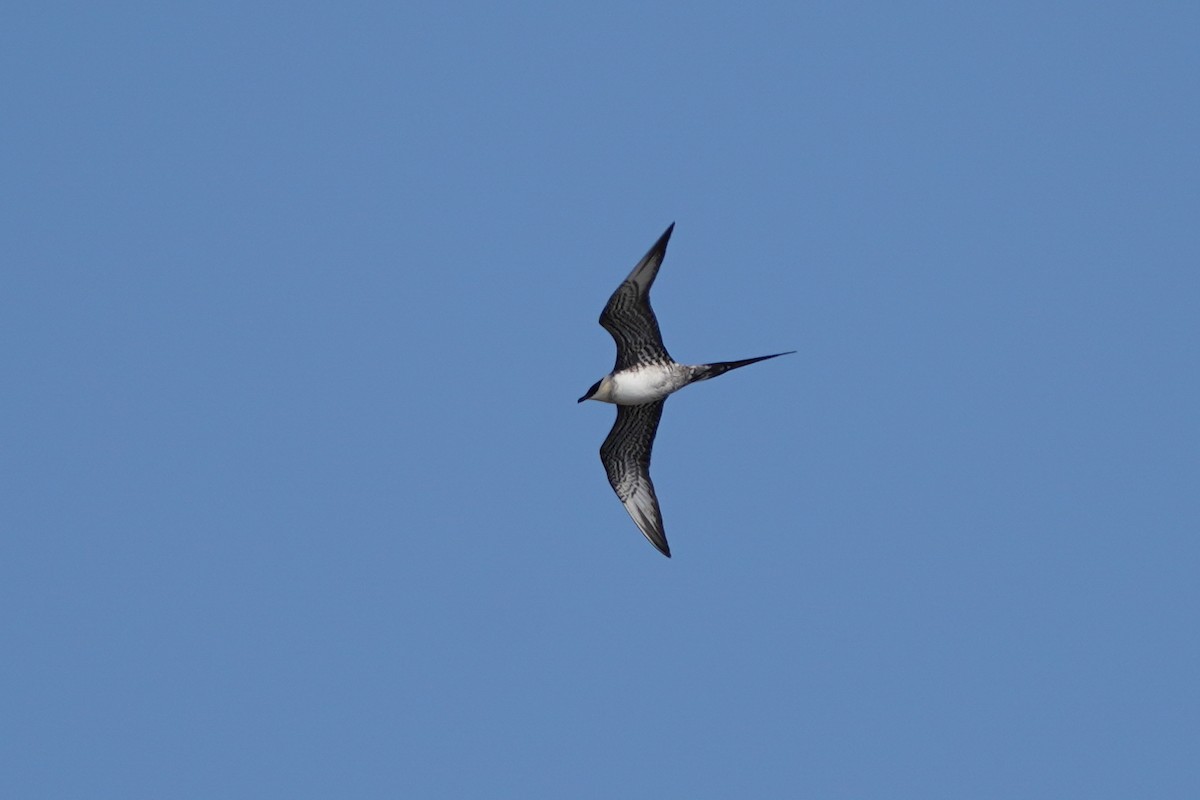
(632, 387)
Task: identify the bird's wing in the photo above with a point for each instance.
(629, 318)
(626, 457)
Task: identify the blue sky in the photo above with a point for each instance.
(297, 301)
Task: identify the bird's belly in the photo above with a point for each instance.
(633, 387)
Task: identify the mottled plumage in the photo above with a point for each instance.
(626, 457)
(642, 378)
(629, 318)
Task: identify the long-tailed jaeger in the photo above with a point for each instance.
(638, 385)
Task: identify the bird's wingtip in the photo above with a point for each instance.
(660, 544)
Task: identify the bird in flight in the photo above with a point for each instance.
(638, 385)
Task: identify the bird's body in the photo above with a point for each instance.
(642, 384)
(642, 378)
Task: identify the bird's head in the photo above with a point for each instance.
(601, 390)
